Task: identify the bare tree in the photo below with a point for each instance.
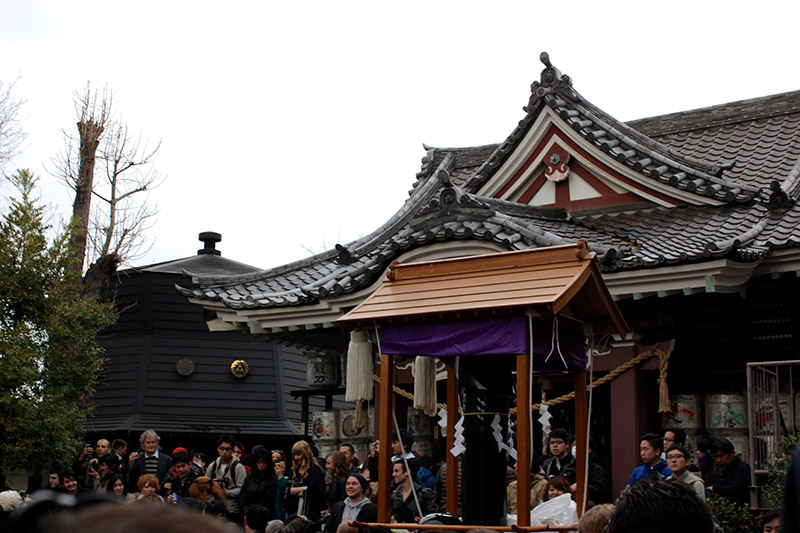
(11, 133)
(111, 230)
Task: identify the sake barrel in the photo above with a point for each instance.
(726, 411)
(322, 371)
(685, 412)
(347, 424)
(324, 425)
(418, 423)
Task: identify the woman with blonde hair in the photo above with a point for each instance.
(306, 496)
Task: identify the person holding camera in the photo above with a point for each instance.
(229, 474)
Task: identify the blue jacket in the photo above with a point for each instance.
(646, 470)
(426, 478)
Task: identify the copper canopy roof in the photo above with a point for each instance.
(555, 280)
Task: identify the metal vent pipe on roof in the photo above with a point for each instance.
(209, 240)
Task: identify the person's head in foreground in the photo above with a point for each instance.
(595, 519)
(771, 523)
(119, 518)
(654, 505)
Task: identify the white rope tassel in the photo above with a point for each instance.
(359, 367)
(425, 384)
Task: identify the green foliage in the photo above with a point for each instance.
(734, 518)
(773, 489)
(49, 356)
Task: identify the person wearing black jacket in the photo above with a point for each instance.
(260, 486)
(151, 461)
(562, 462)
(182, 478)
(731, 476)
(402, 494)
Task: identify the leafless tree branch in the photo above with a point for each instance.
(11, 133)
(123, 174)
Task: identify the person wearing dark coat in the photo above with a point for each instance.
(790, 511)
(260, 486)
(181, 479)
(336, 464)
(306, 496)
(150, 461)
(562, 462)
(402, 494)
(731, 476)
(355, 507)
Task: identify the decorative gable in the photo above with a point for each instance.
(567, 153)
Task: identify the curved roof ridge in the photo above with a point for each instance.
(643, 139)
(739, 240)
(627, 145)
(792, 182)
(340, 255)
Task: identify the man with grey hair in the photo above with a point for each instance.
(149, 460)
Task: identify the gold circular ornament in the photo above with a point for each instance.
(240, 368)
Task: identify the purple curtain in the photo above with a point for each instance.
(495, 336)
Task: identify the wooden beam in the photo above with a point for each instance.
(523, 440)
(453, 482)
(581, 417)
(385, 437)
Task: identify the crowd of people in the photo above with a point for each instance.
(264, 488)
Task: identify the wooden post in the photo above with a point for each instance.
(523, 440)
(304, 415)
(385, 437)
(581, 431)
(453, 483)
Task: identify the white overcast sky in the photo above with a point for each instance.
(289, 126)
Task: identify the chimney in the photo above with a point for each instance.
(209, 240)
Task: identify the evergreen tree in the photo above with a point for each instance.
(49, 356)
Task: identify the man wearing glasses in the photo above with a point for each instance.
(678, 463)
(229, 474)
(562, 463)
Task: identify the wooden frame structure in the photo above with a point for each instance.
(554, 281)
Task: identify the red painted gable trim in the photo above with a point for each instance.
(608, 198)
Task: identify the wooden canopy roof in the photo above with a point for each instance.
(554, 280)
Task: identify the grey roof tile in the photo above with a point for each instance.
(689, 150)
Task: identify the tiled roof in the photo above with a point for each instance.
(207, 265)
(625, 144)
(748, 159)
(545, 280)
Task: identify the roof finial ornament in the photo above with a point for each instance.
(779, 200)
(551, 78)
(544, 57)
(345, 256)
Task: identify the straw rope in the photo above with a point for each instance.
(663, 407)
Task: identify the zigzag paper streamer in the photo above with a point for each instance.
(512, 451)
(443, 421)
(544, 419)
(458, 438)
(497, 431)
